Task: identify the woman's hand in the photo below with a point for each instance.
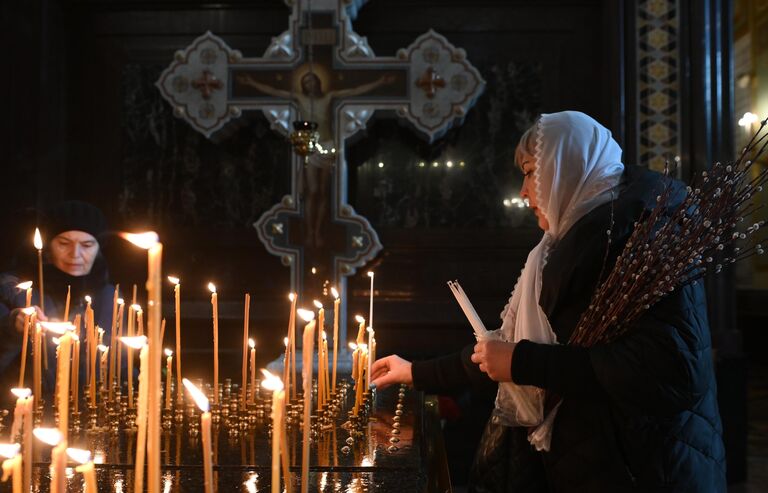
(18, 318)
(495, 359)
(390, 370)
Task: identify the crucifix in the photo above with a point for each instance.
(321, 71)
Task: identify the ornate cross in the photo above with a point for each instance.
(321, 70)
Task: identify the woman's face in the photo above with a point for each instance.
(74, 252)
(528, 166)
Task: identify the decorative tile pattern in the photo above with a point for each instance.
(658, 56)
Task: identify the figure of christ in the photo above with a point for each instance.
(316, 105)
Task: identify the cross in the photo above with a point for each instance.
(321, 70)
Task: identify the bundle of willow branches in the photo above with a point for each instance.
(674, 245)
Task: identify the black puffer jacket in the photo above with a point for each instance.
(639, 414)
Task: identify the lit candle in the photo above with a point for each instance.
(38, 242)
(26, 286)
(252, 345)
(52, 437)
(215, 304)
(64, 329)
(353, 347)
(140, 342)
(246, 319)
(326, 383)
(371, 342)
(359, 384)
(37, 358)
(29, 313)
(168, 374)
(66, 304)
(320, 330)
(18, 412)
(90, 330)
(336, 304)
(306, 373)
(370, 304)
(12, 465)
(129, 352)
(205, 427)
(22, 420)
(273, 383)
(177, 299)
(292, 336)
(104, 350)
(286, 361)
(151, 243)
(75, 377)
(83, 457)
(115, 359)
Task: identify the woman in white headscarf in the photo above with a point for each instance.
(638, 414)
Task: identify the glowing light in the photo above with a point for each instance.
(88, 298)
(370, 273)
(352, 346)
(56, 341)
(174, 280)
(38, 240)
(167, 482)
(29, 311)
(285, 341)
(250, 484)
(168, 352)
(79, 455)
(24, 285)
(271, 382)
(748, 119)
(211, 287)
(136, 307)
(360, 319)
(21, 393)
(435, 164)
(325, 336)
(381, 165)
(103, 348)
(307, 315)
(335, 293)
(317, 304)
(142, 240)
(9, 449)
(422, 164)
(57, 327)
(291, 297)
(461, 164)
(51, 436)
(197, 395)
(120, 301)
(366, 462)
(314, 270)
(134, 342)
(251, 343)
(98, 457)
(449, 164)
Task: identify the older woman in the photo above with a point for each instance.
(73, 260)
(637, 414)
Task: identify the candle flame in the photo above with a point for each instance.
(251, 343)
(197, 395)
(335, 293)
(98, 457)
(79, 455)
(318, 304)
(142, 240)
(21, 393)
(88, 299)
(99, 330)
(56, 341)
(168, 352)
(103, 348)
(307, 315)
(370, 331)
(360, 319)
(353, 346)
(120, 301)
(285, 341)
(174, 280)
(57, 327)
(38, 241)
(51, 436)
(28, 311)
(291, 297)
(135, 342)
(363, 347)
(9, 450)
(325, 336)
(211, 287)
(370, 273)
(24, 285)
(136, 307)
(271, 382)
(366, 462)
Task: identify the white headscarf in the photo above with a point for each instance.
(578, 166)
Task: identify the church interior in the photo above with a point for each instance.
(356, 153)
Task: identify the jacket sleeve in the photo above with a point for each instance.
(659, 367)
(449, 373)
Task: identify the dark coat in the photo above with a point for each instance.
(638, 414)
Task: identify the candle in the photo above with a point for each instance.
(273, 383)
(306, 373)
(320, 369)
(53, 437)
(140, 342)
(90, 331)
(151, 243)
(75, 377)
(168, 374)
(12, 465)
(286, 360)
(64, 351)
(370, 305)
(83, 457)
(18, 412)
(177, 299)
(66, 304)
(28, 317)
(115, 359)
(292, 335)
(215, 304)
(24, 409)
(36, 363)
(369, 356)
(246, 318)
(104, 350)
(336, 305)
(129, 352)
(353, 347)
(252, 345)
(140, 322)
(205, 428)
(26, 286)
(326, 383)
(38, 242)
